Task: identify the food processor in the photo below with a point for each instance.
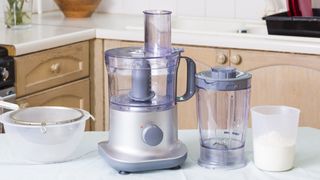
(142, 96)
(223, 96)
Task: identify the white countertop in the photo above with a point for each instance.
(92, 166)
(52, 30)
(40, 37)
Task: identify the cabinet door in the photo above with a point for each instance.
(46, 69)
(283, 79)
(205, 58)
(75, 94)
(97, 105)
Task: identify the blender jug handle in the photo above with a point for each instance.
(191, 88)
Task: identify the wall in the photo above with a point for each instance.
(243, 9)
(210, 8)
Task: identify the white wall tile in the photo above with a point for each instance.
(245, 9)
(134, 6)
(250, 9)
(274, 6)
(170, 5)
(1, 11)
(316, 3)
(49, 5)
(282, 5)
(191, 8)
(111, 6)
(220, 9)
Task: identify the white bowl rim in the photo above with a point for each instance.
(5, 116)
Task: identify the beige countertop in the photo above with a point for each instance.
(52, 29)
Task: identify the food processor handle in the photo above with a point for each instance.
(191, 88)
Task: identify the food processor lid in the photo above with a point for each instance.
(46, 115)
(223, 79)
(138, 53)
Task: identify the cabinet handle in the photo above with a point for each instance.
(55, 68)
(221, 59)
(24, 105)
(236, 59)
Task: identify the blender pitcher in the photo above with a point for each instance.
(223, 105)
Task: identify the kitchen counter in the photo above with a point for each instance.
(40, 37)
(86, 163)
(52, 29)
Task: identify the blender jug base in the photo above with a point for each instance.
(222, 159)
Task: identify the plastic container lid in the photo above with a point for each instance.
(46, 115)
(223, 79)
(126, 58)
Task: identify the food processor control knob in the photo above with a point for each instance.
(152, 135)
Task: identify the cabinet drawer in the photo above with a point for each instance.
(47, 69)
(75, 94)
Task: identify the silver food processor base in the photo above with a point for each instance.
(125, 163)
(222, 159)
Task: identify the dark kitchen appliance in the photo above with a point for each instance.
(7, 78)
(282, 24)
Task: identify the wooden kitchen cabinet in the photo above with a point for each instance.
(283, 79)
(55, 77)
(75, 94)
(46, 69)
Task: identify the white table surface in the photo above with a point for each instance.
(91, 166)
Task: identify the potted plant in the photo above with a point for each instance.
(18, 13)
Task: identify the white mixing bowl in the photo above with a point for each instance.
(45, 143)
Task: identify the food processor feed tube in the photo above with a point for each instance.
(142, 96)
(222, 104)
(157, 39)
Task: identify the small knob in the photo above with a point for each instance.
(152, 135)
(236, 59)
(4, 74)
(221, 59)
(55, 68)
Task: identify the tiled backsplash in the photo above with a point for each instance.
(249, 9)
(243, 9)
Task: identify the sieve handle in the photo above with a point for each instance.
(9, 106)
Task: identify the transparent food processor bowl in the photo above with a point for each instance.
(140, 81)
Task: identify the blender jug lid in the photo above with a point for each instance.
(46, 115)
(223, 79)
